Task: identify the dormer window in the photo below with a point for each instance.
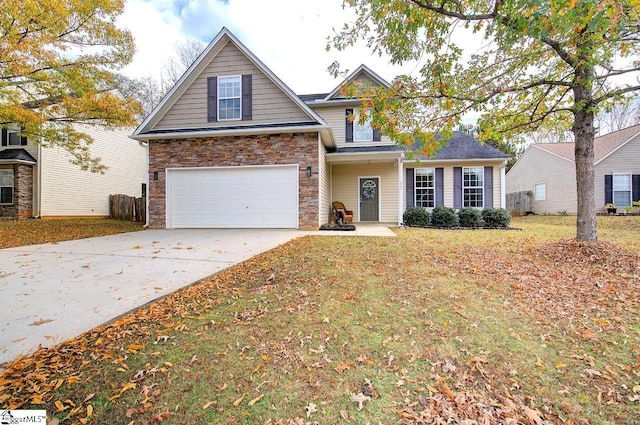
(229, 98)
(357, 132)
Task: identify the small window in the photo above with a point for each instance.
(473, 187)
(6, 186)
(362, 132)
(425, 187)
(13, 138)
(229, 98)
(540, 191)
(622, 190)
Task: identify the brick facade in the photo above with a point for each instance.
(267, 149)
(22, 206)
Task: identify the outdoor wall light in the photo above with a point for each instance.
(155, 175)
(308, 171)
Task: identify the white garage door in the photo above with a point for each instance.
(233, 197)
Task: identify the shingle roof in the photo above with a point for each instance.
(17, 155)
(602, 145)
(461, 146)
(312, 97)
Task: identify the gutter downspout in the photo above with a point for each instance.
(503, 185)
(146, 221)
(39, 183)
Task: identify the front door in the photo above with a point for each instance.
(369, 195)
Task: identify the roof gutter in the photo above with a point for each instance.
(229, 132)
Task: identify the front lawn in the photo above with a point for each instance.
(493, 326)
(14, 233)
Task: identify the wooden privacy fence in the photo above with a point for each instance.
(123, 207)
(518, 203)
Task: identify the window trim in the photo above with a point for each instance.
(480, 171)
(613, 189)
(221, 98)
(432, 171)
(535, 192)
(10, 171)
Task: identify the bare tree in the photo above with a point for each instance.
(618, 116)
(186, 53)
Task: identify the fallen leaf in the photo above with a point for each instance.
(310, 409)
(209, 404)
(238, 401)
(41, 322)
(255, 400)
(360, 399)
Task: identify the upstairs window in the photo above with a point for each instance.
(11, 137)
(6, 186)
(356, 132)
(229, 98)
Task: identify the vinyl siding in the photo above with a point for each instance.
(345, 185)
(361, 79)
(448, 178)
(270, 103)
(69, 191)
(625, 160)
(559, 174)
(336, 117)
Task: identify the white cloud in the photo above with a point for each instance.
(289, 36)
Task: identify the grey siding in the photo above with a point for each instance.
(269, 103)
(625, 160)
(335, 117)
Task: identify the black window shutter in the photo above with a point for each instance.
(608, 189)
(376, 134)
(439, 187)
(635, 186)
(23, 140)
(246, 97)
(488, 187)
(212, 99)
(348, 126)
(4, 137)
(457, 187)
(410, 188)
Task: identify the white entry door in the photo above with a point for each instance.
(233, 197)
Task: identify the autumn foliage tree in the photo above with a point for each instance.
(56, 64)
(539, 64)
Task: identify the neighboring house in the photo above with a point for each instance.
(39, 181)
(548, 171)
(232, 146)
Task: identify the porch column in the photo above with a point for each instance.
(503, 187)
(400, 190)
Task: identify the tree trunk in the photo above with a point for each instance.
(583, 132)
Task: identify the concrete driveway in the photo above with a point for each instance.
(53, 292)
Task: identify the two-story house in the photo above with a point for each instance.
(232, 146)
(39, 180)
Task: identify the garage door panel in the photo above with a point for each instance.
(233, 197)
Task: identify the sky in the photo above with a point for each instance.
(288, 36)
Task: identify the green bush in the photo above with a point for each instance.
(444, 217)
(470, 217)
(416, 216)
(496, 217)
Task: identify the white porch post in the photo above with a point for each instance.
(503, 187)
(400, 191)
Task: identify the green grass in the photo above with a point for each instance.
(294, 333)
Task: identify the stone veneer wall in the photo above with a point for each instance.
(268, 149)
(22, 206)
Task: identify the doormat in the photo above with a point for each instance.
(342, 227)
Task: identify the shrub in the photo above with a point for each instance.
(416, 216)
(470, 217)
(444, 217)
(496, 217)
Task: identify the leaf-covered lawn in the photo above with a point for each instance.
(460, 327)
(15, 233)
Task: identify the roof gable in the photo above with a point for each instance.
(362, 74)
(185, 105)
(603, 146)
